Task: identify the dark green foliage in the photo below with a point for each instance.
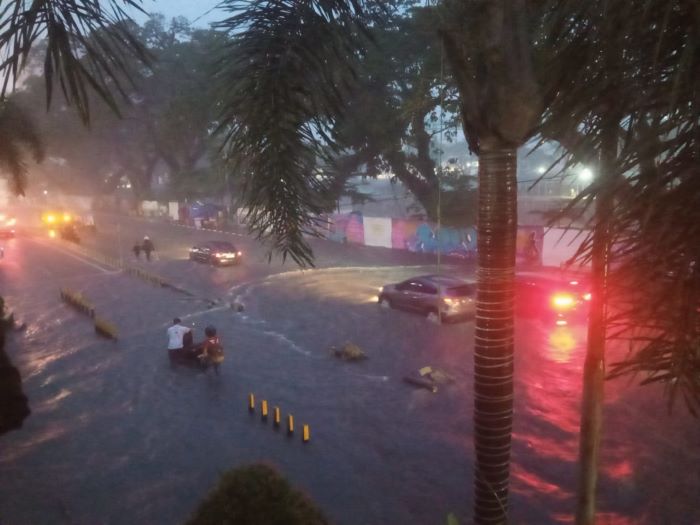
(256, 495)
(404, 103)
(640, 84)
(283, 78)
(14, 407)
(17, 137)
(87, 46)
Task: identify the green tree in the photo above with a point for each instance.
(633, 109)
(393, 118)
(87, 47)
(169, 119)
(18, 137)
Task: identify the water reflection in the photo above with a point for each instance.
(561, 344)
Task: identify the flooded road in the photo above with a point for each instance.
(119, 436)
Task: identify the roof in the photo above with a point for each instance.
(444, 280)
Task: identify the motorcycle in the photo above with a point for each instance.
(204, 354)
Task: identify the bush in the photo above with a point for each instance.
(256, 495)
(14, 407)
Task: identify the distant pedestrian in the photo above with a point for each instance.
(137, 250)
(148, 247)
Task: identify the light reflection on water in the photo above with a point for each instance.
(136, 434)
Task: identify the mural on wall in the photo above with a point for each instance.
(424, 237)
(377, 231)
(354, 229)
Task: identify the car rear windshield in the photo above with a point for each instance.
(223, 246)
(460, 291)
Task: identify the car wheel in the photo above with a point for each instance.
(384, 302)
(434, 317)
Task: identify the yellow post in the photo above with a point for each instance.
(263, 409)
(307, 434)
(251, 402)
(290, 424)
(276, 416)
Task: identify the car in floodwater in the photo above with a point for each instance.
(558, 298)
(7, 226)
(217, 253)
(438, 297)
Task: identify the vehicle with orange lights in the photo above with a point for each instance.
(552, 297)
(55, 218)
(438, 297)
(7, 226)
(62, 224)
(217, 253)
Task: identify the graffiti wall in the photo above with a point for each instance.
(377, 231)
(425, 237)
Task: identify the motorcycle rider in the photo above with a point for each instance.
(210, 351)
(176, 338)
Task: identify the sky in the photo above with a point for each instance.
(191, 9)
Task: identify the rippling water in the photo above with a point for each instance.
(119, 436)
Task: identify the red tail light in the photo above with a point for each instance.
(562, 301)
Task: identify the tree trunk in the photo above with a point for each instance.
(493, 351)
(594, 366)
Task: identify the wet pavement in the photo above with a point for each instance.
(119, 436)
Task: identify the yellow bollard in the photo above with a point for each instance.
(307, 434)
(290, 424)
(263, 409)
(276, 416)
(251, 402)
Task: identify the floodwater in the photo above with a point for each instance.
(119, 436)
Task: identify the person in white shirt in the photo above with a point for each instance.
(176, 337)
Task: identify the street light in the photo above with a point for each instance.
(586, 175)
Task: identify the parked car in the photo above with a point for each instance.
(552, 297)
(438, 297)
(218, 253)
(7, 226)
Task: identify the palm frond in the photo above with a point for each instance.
(282, 80)
(88, 45)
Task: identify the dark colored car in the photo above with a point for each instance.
(438, 297)
(551, 297)
(218, 253)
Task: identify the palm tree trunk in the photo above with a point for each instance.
(493, 351)
(594, 365)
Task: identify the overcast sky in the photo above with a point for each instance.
(191, 9)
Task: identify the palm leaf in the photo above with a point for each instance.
(282, 82)
(88, 43)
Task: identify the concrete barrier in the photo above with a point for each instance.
(80, 303)
(77, 301)
(105, 329)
